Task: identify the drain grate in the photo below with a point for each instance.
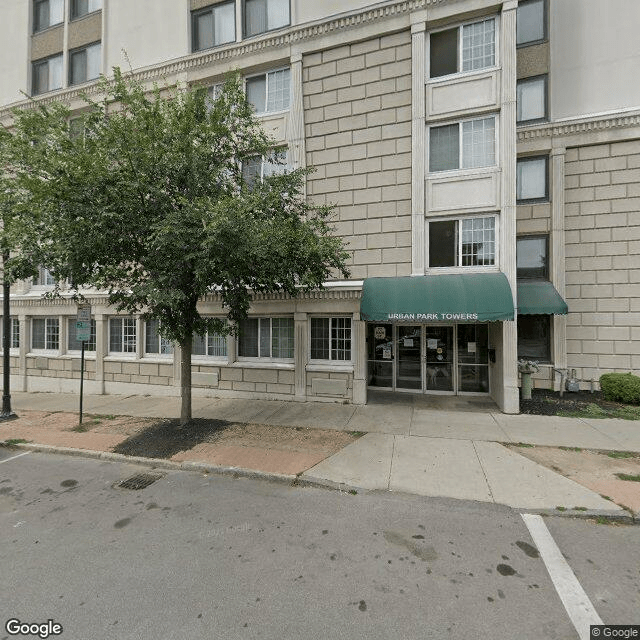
(139, 481)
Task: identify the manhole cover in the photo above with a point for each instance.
(139, 481)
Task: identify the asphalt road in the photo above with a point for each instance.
(197, 556)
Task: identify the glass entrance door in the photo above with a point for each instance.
(408, 358)
(473, 358)
(439, 348)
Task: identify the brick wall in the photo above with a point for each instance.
(602, 213)
(357, 111)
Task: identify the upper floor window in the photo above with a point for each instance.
(45, 334)
(464, 242)
(73, 343)
(532, 179)
(270, 91)
(154, 343)
(81, 8)
(122, 335)
(47, 74)
(466, 48)
(46, 13)
(260, 167)
(266, 338)
(463, 145)
(532, 257)
(44, 278)
(85, 63)
(265, 15)
(531, 99)
(331, 338)
(213, 26)
(531, 22)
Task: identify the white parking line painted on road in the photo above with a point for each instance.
(574, 599)
(14, 457)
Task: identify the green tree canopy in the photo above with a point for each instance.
(147, 201)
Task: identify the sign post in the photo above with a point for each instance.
(83, 335)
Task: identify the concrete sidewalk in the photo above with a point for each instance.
(412, 445)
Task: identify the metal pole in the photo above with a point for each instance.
(7, 413)
(81, 377)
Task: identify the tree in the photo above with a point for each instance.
(148, 202)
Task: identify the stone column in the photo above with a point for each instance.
(301, 354)
(359, 355)
(63, 336)
(418, 136)
(25, 346)
(295, 129)
(557, 250)
(102, 348)
(509, 397)
(177, 360)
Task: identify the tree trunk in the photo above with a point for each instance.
(185, 380)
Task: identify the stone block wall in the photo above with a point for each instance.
(357, 110)
(602, 222)
(57, 367)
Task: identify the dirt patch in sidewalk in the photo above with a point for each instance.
(595, 470)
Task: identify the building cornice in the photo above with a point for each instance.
(276, 41)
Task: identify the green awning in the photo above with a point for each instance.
(468, 297)
(540, 297)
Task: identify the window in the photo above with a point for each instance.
(532, 179)
(213, 26)
(122, 335)
(85, 64)
(260, 167)
(266, 338)
(14, 333)
(76, 345)
(270, 92)
(531, 99)
(154, 343)
(45, 333)
(467, 242)
(264, 15)
(534, 338)
(467, 145)
(331, 338)
(531, 22)
(81, 8)
(44, 278)
(47, 75)
(46, 13)
(532, 257)
(466, 48)
(210, 344)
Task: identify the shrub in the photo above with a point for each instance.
(621, 387)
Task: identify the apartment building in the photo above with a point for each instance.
(483, 158)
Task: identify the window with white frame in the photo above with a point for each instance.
(260, 167)
(73, 344)
(531, 22)
(211, 344)
(270, 92)
(463, 242)
(46, 75)
(468, 144)
(531, 99)
(266, 338)
(265, 15)
(466, 48)
(154, 343)
(81, 8)
(85, 64)
(45, 334)
(214, 25)
(47, 13)
(122, 335)
(14, 333)
(532, 179)
(331, 339)
(44, 278)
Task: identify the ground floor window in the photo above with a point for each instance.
(73, 344)
(266, 338)
(154, 343)
(209, 344)
(122, 335)
(14, 333)
(534, 338)
(331, 339)
(45, 333)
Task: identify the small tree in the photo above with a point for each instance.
(149, 203)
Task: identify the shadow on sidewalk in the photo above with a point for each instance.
(166, 438)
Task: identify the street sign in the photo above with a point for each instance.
(84, 313)
(83, 323)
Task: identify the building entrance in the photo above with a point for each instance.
(428, 358)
